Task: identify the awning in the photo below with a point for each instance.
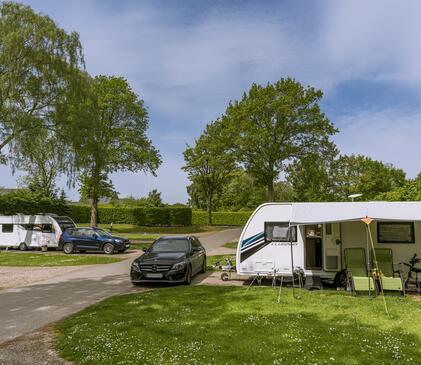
(318, 213)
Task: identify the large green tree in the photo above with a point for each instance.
(44, 160)
(114, 139)
(275, 124)
(312, 177)
(357, 174)
(209, 163)
(410, 190)
(40, 76)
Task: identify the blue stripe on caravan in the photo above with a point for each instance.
(251, 240)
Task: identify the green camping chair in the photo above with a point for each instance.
(390, 279)
(356, 266)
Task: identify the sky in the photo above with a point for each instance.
(188, 59)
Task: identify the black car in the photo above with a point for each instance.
(91, 239)
(170, 259)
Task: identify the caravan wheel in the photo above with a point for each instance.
(23, 246)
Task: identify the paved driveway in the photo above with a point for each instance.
(27, 308)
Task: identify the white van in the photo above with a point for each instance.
(31, 231)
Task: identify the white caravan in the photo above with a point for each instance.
(30, 231)
(319, 234)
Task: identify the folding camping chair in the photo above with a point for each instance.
(387, 275)
(356, 266)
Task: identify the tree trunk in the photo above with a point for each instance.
(209, 207)
(270, 191)
(94, 211)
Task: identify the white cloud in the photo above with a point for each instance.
(187, 65)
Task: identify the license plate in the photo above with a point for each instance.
(154, 276)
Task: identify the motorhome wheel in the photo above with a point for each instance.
(23, 246)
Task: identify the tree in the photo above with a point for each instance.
(40, 75)
(363, 175)
(274, 125)
(115, 138)
(410, 190)
(209, 163)
(312, 177)
(44, 160)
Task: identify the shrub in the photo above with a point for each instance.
(26, 202)
(221, 218)
(143, 216)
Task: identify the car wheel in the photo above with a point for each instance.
(108, 248)
(23, 246)
(187, 279)
(68, 248)
(203, 266)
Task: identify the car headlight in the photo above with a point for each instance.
(178, 266)
(136, 266)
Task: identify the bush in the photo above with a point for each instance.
(221, 218)
(26, 202)
(79, 213)
(142, 216)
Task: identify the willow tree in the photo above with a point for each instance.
(41, 74)
(273, 125)
(113, 138)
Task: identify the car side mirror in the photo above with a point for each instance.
(95, 236)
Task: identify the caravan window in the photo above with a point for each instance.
(280, 232)
(7, 228)
(395, 232)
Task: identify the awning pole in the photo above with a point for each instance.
(292, 259)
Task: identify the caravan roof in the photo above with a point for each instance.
(313, 213)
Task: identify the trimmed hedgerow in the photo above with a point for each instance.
(26, 202)
(143, 216)
(221, 218)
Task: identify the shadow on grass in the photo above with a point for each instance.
(220, 325)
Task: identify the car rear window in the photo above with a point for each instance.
(170, 245)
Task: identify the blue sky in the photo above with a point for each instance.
(187, 59)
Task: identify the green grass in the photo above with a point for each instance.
(133, 229)
(46, 259)
(228, 325)
(231, 245)
(210, 260)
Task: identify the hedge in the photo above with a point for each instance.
(26, 202)
(221, 218)
(143, 216)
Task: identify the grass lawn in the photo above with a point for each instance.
(231, 245)
(45, 259)
(210, 260)
(133, 229)
(229, 325)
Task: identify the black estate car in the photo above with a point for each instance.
(91, 239)
(170, 259)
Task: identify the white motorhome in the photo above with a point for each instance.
(31, 231)
(280, 237)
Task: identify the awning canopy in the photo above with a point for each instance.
(315, 213)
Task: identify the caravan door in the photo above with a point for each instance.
(332, 247)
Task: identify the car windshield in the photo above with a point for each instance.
(170, 245)
(102, 233)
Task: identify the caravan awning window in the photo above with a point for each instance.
(280, 232)
(395, 232)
